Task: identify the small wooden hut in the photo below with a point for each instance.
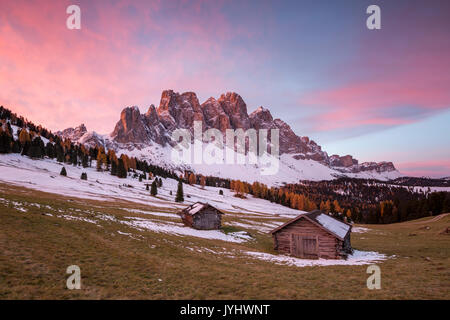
(202, 216)
(313, 235)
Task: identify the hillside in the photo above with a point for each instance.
(130, 250)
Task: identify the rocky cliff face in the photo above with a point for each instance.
(229, 111)
(236, 110)
(73, 134)
(215, 116)
(136, 128)
(179, 110)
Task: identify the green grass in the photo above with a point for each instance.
(36, 249)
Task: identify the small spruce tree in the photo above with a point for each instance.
(84, 176)
(154, 190)
(63, 172)
(121, 170)
(180, 196)
(85, 160)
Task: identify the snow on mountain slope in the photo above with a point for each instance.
(149, 136)
(290, 169)
(44, 175)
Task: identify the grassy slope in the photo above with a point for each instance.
(35, 250)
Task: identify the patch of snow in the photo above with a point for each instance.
(153, 213)
(73, 218)
(357, 258)
(181, 230)
(360, 230)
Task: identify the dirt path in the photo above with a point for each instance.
(436, 218)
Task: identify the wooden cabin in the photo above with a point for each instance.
(313, 235)
(202, 216)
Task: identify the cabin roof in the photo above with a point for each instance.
(198, 207)
(332, 225)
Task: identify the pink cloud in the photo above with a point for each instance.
(396, 77)
(431, 168)
(57, 77)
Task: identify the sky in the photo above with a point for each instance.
(379, 95)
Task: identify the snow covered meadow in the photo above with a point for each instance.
(246, 220)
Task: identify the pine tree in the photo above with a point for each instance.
(179, 197)
(25, 148)
(114, 170)
(36, 149)
(63, 172)
(84, 161)
(154, 190)
(84, 176)
(221, 192)
(5, 142)
(16, 148)
(125, 161)
(121, 171)
(59, 153)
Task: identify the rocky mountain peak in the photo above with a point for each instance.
(229, 111)
(236, 109)
(131, 127)
(215, 116)
(260, 115)
(179, 110)
(73, 133)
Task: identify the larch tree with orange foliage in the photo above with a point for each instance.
(192, 179)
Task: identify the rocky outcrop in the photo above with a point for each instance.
(131, 127)
(345, 161)
(236, 110)
(383, 166)
(215, 116)
(73, 134)
(302, 147)
(179, 110)
(134, 127)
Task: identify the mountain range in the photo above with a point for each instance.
(148, 136)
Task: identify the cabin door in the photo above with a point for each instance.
(304, 246)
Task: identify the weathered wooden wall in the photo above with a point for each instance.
(207, 219)
(187, 219)
(329, 247)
